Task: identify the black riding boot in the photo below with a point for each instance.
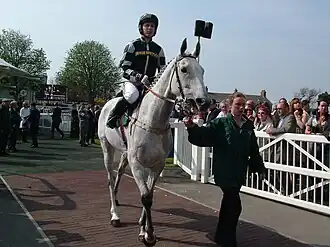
(117, 112)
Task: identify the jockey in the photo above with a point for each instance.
(141, 57)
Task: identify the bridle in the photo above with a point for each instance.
(183, 102)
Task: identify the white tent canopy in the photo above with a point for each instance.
(6, 69)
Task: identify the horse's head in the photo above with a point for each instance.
(188, 78)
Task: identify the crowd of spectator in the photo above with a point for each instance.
(84, 119)
(17, 123)
(294, 116)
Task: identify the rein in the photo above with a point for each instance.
(158, 95)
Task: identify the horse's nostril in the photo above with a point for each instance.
(199, 101)
(202, 101)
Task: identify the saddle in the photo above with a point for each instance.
(125, 118)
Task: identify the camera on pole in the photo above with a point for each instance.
(203, 29)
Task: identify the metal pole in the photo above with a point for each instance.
(199, 40)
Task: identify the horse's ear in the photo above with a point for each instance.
(183, 47)
(197, 50)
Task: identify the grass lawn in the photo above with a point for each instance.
(55, 156)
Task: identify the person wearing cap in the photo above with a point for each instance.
(4, 126)
(142, 57)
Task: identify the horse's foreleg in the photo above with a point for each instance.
(147, 201)
(138, 173)
(121, 170)
(142, 224)
(108, 159)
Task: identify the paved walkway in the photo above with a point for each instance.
(15, 224)
(73, 210)
(291, 221)
(72, 207)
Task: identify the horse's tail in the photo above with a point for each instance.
(105, 111)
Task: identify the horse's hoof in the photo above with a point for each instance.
(149, 242)
(141, 238)
(117, 203)
(115, 223)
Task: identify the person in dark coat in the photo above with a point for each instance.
(74, 132)
(83, 123)
(34, 119)
(213, 111)
(235, 148)
(57, 120)
(91, 125)
(15, 120)
(4, 126)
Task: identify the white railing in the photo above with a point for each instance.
(46, 122)
(297, 165)
(183, 152)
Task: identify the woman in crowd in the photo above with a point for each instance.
(305, 108)
(223, 109)
(301, 118)
(249, 110)
(263, 120)
(319, 123)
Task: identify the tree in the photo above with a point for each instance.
(308, 93)
(18, 49)
(89, 65)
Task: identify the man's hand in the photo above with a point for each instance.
(188, 122)
(138, 77)
(145, 81)
(269, 131)
(261, 175)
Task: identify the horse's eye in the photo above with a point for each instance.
(184, 70)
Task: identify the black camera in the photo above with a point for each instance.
(203, 29)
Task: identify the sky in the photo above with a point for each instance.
(276, 45)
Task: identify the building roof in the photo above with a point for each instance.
(255, 97)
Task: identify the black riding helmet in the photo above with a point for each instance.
(148, 18)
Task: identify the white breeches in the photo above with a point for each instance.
(130, 92)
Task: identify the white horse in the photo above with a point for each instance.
(148, 134)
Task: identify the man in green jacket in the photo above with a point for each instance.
(235, 148)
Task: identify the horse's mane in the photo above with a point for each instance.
(160, 73)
